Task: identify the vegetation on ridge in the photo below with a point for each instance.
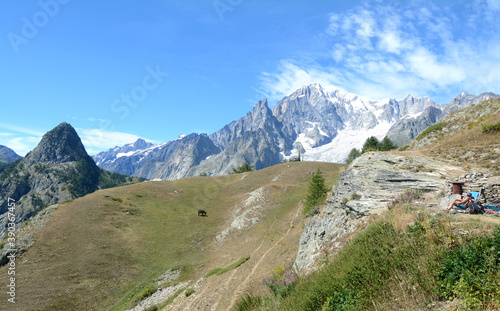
(371, 144)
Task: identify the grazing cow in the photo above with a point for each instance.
(202, 212)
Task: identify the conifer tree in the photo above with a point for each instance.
(316, 191)
(352, 155)
(242, 169)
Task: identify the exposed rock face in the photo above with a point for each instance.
(60, 145)
(364, 189)
(58, 169)
(464, 100)
(317, 123)
(174, 159)
(259, 119)
(407, 129)
(107, 159)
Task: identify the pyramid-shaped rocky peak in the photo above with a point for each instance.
(61, 144)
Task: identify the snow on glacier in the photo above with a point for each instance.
(338, 149)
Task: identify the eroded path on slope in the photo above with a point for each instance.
(274, 246)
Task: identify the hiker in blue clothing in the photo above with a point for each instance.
(461, 201)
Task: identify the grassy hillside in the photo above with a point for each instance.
(104, 250)
(409, 258)
(463, 137)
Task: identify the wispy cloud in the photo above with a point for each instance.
(20, 129)
(383, 51)
(23, 140)
(20, 144)
(97, 140)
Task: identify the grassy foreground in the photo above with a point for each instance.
(105, 251)
(407, 259)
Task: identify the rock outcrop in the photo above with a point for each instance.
(365, 188)
(58, 169)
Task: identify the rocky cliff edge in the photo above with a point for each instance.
(363, 190)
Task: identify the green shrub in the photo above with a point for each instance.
(405, 147)
(364, 271)
(117, 199)
(146, 292)
(472, 272)
(341, 300)
(248, 302)
(489, 128)
(189, 292)
(242, 169)
(282, 281)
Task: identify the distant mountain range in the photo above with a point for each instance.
(7, 155)
(320, 124)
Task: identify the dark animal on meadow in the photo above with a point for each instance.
(202, 212)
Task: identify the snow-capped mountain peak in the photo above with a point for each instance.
(320, 123)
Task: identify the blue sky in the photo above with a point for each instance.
(119, 70)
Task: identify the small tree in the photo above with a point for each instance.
(316, 191)
(352, 155)
(370, 144)
(242, 169)
(386, 144)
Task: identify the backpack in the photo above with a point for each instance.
(475, 208)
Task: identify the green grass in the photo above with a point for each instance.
(406, 254)
(107, 258)
(189, 292)
(219, 271)
(490, 128)
(431, 129)
(248, 302)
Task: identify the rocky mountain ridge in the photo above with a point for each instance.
(58, 169)
(7, 155)
(318, 123)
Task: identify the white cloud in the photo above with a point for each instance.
(20, 145)
(23, 140)
(97, 140)
(20, 129)
(389, 51)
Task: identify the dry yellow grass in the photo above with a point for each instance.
(98, 253)
(470, 147)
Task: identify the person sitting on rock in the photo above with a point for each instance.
(460, 201)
